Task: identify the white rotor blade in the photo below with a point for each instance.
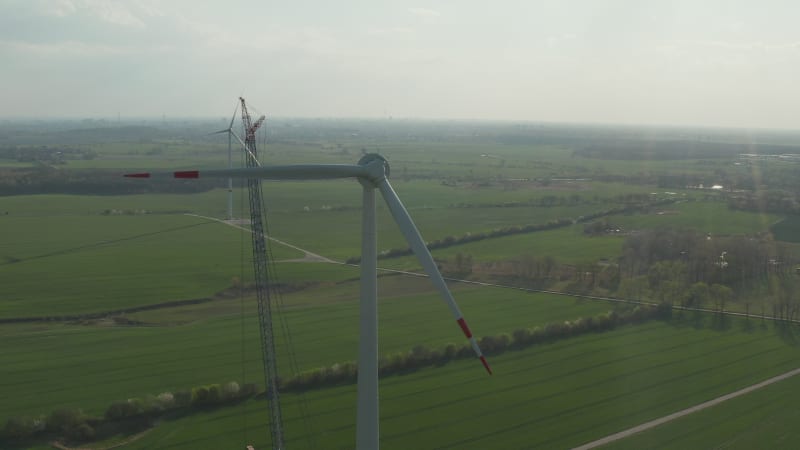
(244, 146)
(414, 239)
(233, 117)
(290, 172)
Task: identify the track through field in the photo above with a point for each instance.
(660, 421)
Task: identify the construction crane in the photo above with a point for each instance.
(262, 274)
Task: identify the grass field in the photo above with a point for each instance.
(206, 342)
(762, 419)
(706, 217)
(536, 399)
(787, 229)
(64, 255)
(77, 264)
(96, 263)
(567, 245)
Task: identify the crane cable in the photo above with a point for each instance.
(242, 314)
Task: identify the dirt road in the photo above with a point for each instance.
(687, 411)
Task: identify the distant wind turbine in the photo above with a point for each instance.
(230, 133)
(371, 171)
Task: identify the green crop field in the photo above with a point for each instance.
(536, 399)
(70, 255)
(75, 264)
(706, 217)
(765, 418)
(205, 342)
(567, 245)
(787, 229)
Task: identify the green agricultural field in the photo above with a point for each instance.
(66, 265)
(567, 245)
(95, 259)
(70, 255)
(336, 234)
(707, 217)
(212, 203)
(185, 347)
(766, 418)
(787, 229)
(604, 382)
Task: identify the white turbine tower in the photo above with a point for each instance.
(371, 171)
(230, 133)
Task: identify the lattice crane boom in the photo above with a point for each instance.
(262, 281)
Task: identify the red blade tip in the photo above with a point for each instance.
(138, 175)
(463, 324)
(486, 365)
(187, 174)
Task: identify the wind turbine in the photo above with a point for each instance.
(371, 172)
(229, 131)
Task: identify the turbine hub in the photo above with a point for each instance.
(377, 166)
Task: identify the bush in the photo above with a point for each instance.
(214, 394)
(64, 420)
(166, 400)
(22, 427)
(449, 352)
(200, 395)
(71, 423)
(248, 390)
(230, 390)
(183, 398)
(83, 432)
(521, 336)
(124, 409)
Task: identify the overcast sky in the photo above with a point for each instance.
(728, 63)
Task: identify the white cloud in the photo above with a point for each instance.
(131, 13)
(425, 14)
(58, 8)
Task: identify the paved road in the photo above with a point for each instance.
(687, 411)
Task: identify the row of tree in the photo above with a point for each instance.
(690, 256)
(772, 200)
(550, 200)
(467, 238)
(677, 267)
(421, 356)
(44, 153)
(75, 425)
(48, 180)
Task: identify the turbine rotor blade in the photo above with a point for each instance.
(291, 172)
(233, 117)
(414, 239)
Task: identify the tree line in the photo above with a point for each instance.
(466, 238)
(75, 425)
(49, 180)
(44, 153)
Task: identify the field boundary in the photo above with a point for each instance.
(308, 256)
(676, 415)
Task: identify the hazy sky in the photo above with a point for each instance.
(729, 63)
